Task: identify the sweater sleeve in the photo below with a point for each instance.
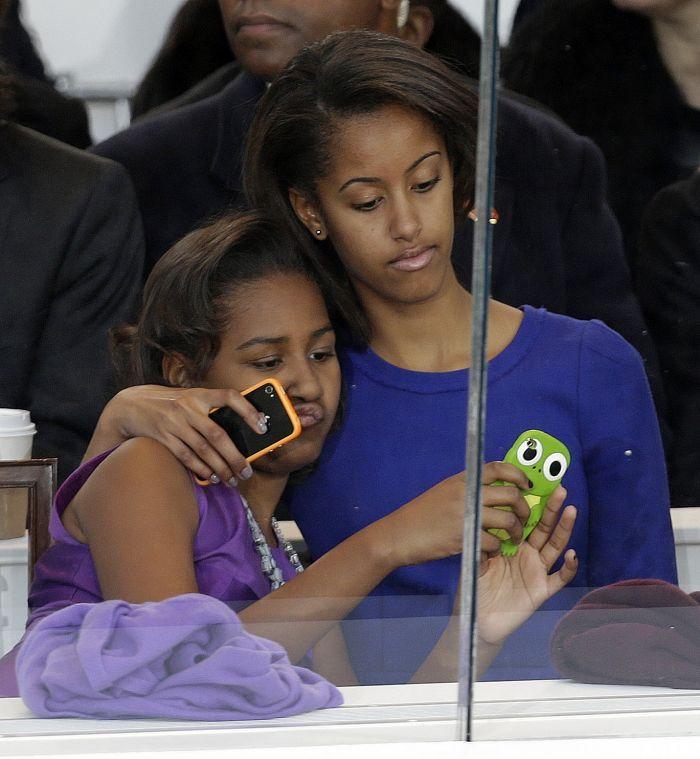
(630, 534)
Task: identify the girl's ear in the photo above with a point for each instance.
(308, 214)
(175, 371)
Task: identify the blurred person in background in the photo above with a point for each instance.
(196, 59)
(668, 281)
(37, 103)
(625, 73)
(195, 46)
(71, 254)
(556, 243)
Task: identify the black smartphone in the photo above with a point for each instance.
(283, 423)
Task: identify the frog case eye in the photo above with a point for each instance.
(554, 467)
(529, 452)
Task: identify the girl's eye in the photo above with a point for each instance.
(370, 205)
(267, 363)
(426, 186)
(322, 355)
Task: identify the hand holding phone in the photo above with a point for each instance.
(544, 460)
(283, 425)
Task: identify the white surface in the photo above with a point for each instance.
(686, 533)
(13, 591)
(99, 42)
(409, 714)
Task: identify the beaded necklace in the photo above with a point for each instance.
(267, 560)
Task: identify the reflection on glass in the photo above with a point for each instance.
(574, 394)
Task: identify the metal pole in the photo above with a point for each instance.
(481, 283)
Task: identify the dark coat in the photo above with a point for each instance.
(556, 244)
(71, 255)
(599, 69)
(669, 290)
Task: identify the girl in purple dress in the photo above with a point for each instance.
(230, 305)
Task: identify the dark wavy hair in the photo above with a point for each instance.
(187, 297)
(348, 74)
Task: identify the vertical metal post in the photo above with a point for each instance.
(481, 283)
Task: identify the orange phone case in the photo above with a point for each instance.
(291, 413)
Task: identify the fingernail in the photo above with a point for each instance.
(232, 482)
(247, 473)
(262, 424)
(214, 479)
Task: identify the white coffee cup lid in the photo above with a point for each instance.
(14, 419)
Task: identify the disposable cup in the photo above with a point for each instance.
(16, 436)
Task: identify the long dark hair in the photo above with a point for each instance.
(350, 73)
(187, 297)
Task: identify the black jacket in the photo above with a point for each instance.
(669, 290)
(598, 68)
(71, 255)
(556, 244)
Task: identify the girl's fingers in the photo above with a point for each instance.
(218, 450)
(559, 538)
(540, 535)
(566, 573)
(507, 495)
(254, 418)
(186, 457)
(502, 520)
(499, 470)
(490, 544)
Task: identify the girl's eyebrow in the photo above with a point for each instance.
(375, 180)
(280, 340)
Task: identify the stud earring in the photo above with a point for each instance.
(318, 233)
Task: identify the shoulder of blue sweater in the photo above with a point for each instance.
(592, 336)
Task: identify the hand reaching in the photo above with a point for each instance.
(511, 589)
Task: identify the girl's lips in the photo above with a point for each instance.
(309, 414)
(413, 260)
(258, 25)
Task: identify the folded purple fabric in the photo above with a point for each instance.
(635, 632)
(188, 657)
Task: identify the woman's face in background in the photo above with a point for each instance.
(279, 327)
(386, 204)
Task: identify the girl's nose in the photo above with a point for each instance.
(405, 223)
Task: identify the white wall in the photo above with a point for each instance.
(100, 43)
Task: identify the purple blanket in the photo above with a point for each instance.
(185, 658)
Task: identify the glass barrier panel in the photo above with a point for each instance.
(588, 620)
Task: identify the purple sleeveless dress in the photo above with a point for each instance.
(227, 567)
